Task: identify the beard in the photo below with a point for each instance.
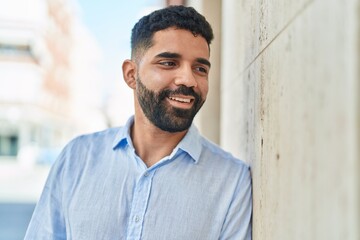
(161, 113)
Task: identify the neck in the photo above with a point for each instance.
(151, 143)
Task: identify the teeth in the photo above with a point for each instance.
(180, 99)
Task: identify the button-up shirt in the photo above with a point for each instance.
(99, 188)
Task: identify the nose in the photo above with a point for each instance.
(185, 76)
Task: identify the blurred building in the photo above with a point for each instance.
(48, 91)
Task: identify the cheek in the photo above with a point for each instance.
(155, 80)
(203, 88)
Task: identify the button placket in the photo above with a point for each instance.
(139, 205)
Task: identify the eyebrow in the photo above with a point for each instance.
(168, 55)
(176, 56)
(203, 61)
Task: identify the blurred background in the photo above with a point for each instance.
(284, 96)
(60, 76)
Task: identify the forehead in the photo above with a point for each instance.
(179, 41)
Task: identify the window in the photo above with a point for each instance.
(16, 50)
(9, 145)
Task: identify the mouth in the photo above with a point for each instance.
(181, 101)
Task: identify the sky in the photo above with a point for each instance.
(110, 22)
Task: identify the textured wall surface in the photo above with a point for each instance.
(290, 107)
(208, 119)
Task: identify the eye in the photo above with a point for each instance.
(168, 63)
(202, 70)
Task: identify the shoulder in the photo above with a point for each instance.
(105, 139)
(214, 151)
(84, 153)
(96, 137)
(223, 164)
(233, 174)
(86, 146)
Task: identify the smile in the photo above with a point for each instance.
(180, 99)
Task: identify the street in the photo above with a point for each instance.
(14, 218)
(20, 188)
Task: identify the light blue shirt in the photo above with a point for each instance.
(100, 189)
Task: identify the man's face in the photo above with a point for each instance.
(172, 79)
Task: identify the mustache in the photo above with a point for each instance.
(183, 90)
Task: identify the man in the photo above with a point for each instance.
(156, 178)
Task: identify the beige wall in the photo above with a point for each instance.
(290, 107)
(293, 68)
(208, 119)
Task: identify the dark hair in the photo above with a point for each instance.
(180, 17)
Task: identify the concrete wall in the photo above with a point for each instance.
(208, 119)
(290, 107)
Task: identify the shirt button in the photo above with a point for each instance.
(146, 174)
(137, 219)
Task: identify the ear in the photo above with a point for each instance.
(129, 73)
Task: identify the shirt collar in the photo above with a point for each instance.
(191, 143)
(123, 136)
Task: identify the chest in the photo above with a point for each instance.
(161, 204)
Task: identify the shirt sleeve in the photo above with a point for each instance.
(237, 225)
(47, 221)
